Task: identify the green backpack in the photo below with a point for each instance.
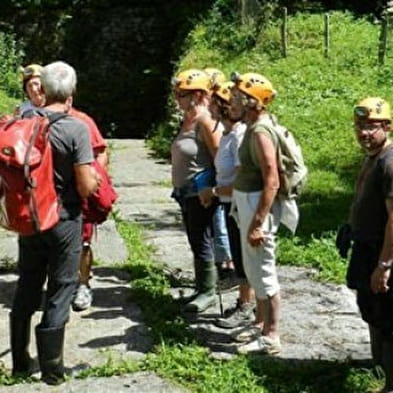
(292, 170)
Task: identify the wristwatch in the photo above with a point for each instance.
(385, 265)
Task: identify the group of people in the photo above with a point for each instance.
(225, 155)
(224, 170)
(61, 257)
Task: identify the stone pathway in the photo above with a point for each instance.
(319, 321)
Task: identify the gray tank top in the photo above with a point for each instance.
(190, 155)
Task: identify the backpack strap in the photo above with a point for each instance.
(269, 129)
(52, 119)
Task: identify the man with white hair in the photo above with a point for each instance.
(54, 255)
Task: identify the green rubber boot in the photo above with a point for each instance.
(197, 288)
(206, 281)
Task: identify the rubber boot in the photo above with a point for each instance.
(197, 289)
(387, 365)
(22, 363)
(206, 281)
(50, 344)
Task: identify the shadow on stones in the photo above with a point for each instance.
(313, 375)
(114, 301)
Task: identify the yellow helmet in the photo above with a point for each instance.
(192, 80)
(215, 76)
(372, 108)
(255, 86)
(30, 71)
(223, 90)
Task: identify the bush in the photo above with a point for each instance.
(11, 58)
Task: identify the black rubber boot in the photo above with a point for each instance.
(206, 281)
(387, 365)
(50, 344)
(22, 363)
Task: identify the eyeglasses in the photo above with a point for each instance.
(370, 128)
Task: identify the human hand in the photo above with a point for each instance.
(206, 197)
(379, 280)
(256, 236)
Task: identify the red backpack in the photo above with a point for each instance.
(96, 207)
(29, 203)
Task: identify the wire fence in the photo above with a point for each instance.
(249, 8)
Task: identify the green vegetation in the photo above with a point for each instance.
(178, 357)
(315, 100)
(10, 56)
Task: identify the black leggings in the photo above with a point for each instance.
(198, 222)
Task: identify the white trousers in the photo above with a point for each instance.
(259, 262)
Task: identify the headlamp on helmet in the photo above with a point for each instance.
(235, 77)
(215, 75)
(372, 108)
(30, 71)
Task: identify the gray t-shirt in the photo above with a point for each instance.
(190, 155)
(70, 141)
(375, 184)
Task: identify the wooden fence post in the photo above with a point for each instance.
(284, 33)
(383, 40)
(327, 35)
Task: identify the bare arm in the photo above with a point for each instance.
(269, 171)
(380, 276)
(102, 157)
(210, 135)
(87, 179)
